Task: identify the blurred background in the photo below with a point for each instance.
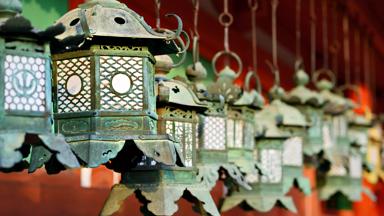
(83, 191)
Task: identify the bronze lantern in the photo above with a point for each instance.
(212, 151)
(26, 136)
(337, 146)
(178, 108)
(103, 79)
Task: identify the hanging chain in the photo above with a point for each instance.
(196, 6)
(253, 5)
(274, 4)
(312, 15)
(226, 20)
(195, 32)
(335, 43)
(346, 49)
(325, 32)
(298, 29)
(157, 13)
(357, 54)
(366, 62)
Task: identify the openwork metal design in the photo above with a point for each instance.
(24, 80)
(183, 132)
(235, 133)
(355, 166)
(293, 151)
(271, 161)
(67, 70)
(214, 133)
(249, 139)
(121, 83)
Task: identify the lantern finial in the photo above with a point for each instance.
(9, 8)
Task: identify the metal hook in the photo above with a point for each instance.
(248, 77)
(184, 47)
(231, 54)
(274, 71)
(354, 88)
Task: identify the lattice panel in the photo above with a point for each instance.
(24, 83)
(293, 151)
(67, 69)
(214, 133)
(183, 132)
(130, 67)
(235, 133)
(249, 136)
(271, 161)
(355, 166)
(340, 126)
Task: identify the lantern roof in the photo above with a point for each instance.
(224, 86)
(112, 19)
(301, 94)
(181, 94)
(358, 120)
(10, 7)
(336, 104)
(288, 115)
(267, 120)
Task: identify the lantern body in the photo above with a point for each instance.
(25, 84)
(26, 138)
(373, 154)
(105, 92)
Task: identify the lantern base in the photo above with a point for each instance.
(45, 148)
(209, 174)
(96, 150)
(160, 190)
(349, 187)
(293, 176)
(252, 200)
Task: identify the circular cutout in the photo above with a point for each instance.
(74, 85)
(74, 22)
(120, 20)
(121, 83)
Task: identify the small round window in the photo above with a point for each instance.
(74, 85)
(121, 83)
(120, 20)
(74, 22)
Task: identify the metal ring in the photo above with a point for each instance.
(324, 71)
(253, 4)
(222, 17)
(248, 77)
(231, 54)
(354, 88)
(184, 47)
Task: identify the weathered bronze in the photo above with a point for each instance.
(26, 136)
(104, 94)
(161, 185)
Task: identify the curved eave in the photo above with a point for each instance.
(304, 96)
(290, 116)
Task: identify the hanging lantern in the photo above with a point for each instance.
(241, 129)
(373, 154)
(104, 98)
(212, 150)
(178, 109)
(337, 148)
(26, 138)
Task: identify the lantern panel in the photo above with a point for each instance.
(69, 97)
(214, 133)
(121, 83)
(24, 82)
(272, 163)
(327, 136)
(292, 154)
(355, 166)
(235, 133)
(183, 132)
(340, 126)
(249, 140)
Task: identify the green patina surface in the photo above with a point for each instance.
(180, 71)
(44, 13)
